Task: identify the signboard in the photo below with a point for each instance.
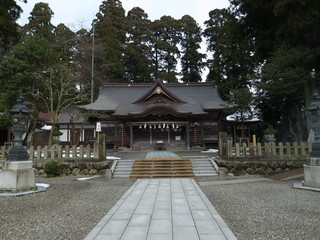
(98, 127)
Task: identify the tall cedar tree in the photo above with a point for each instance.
(110, 30)
(231, 66)
(40, 21)
(138, 51)
(9, 14)
(191, 59)
(166, 37)
(286, 36)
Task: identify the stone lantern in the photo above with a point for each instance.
(312, 165)
(19, 115)
(17, 174)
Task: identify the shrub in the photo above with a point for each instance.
(52, 168)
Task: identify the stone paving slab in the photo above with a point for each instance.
(161, 154)
(162, 209)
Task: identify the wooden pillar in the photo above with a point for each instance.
(131, 137)
(188, 136)
(115, 134)
(150, 131)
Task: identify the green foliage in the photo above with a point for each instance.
(40, 21)
(21, 71)
(52, 168)
(191, 60)
(138, 52)
(110, 30)
(166, 37)
(285, 38)
(232, 65)
(9, 14)
(4, 120)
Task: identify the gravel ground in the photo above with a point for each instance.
(69, 209)
(267, 210)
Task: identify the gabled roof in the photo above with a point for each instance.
(157, 89)
(179, 99)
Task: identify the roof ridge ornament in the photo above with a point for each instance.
(157, 89)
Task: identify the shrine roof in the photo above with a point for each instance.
(140, 99)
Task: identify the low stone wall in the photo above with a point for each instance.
(260, 167)
(75, 169)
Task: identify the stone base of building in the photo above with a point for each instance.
(17, 176)
(312, 173)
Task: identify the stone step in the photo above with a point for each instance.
(123, 169)
(162, 164)
(206, 174)
(162, 175)
(121, 176)
(203, 167)
(204, 171)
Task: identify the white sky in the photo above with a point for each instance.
(79, 13)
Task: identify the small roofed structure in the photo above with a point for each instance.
(142, 115)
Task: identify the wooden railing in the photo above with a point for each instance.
(280, 150)
(57, 152)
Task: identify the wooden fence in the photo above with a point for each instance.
(58, 152)
(279, 150)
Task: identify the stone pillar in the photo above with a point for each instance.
(102, 146)
(312, 172)
(222, 144)
(17, 176)
(312, 165)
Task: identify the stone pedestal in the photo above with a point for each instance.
(312, 172)
(17, 176)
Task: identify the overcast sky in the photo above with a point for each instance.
(79, 13)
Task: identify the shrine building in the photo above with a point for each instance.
(147, 115)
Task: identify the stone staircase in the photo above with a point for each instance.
(162, 167)
(202, 167)
(164, 164)
(123, 169)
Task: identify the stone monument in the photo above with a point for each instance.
(17, 174)
(312, 165)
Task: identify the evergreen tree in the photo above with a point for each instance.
(9, 14)
(138, 52)
(166, 38)
(286, 45)
(110, 30)
(40, 21)
(66, 43)
(231, 66)
(191, 60)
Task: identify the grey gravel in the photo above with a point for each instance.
(267, 210)
(69, 209)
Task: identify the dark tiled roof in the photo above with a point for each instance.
(127, 99)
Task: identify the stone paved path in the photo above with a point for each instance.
(162, 209)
